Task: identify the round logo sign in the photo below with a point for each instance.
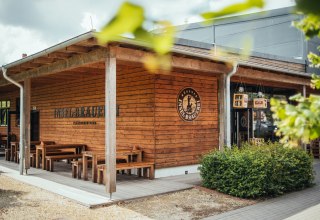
(188, 104)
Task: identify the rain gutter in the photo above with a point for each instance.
(228, 104)
(22, 124)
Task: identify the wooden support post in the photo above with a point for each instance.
(26, 112)
(304, 93)
(110, 123)
(222, 111)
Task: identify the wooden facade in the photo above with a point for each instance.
(74, 77)
(147, 113)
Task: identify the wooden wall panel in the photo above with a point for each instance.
(179, 142)
(135, 95)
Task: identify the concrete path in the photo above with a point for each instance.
(92, 194)
(83, 197)
(303, 204)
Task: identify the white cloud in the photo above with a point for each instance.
(17, 40)
(44, 23)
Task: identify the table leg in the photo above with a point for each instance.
(85, 167)
(44, 153)
(12, 152)
(94, 168)
(151, 174)
(37, 158)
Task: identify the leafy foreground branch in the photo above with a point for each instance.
(301, 122)
(297, 122)
(131, 20)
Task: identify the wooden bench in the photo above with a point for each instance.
(7, 154)
(16, 156)
(77, 167)
(33, 156)
(145, 166)
(50, 159)
(32, 159)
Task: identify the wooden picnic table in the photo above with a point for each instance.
(95, 157)
(14, 146)
(42, 150)
(3, 140)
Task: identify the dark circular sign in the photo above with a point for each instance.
(188, 104)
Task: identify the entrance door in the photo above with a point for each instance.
(242, 126)
(35, 126)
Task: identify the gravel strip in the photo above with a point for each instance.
(22, 201)
(196, 203)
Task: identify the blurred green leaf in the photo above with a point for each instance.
(301, 122)
(315, 81)
(156, 63)
(308, 6)
(309, 25)
(129, 18)
(164, 40)
(235, 8)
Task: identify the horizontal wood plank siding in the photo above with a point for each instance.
(135, 96)
(179, 142)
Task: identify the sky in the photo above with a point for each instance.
(29, 26)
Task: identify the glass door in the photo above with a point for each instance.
(242, 126)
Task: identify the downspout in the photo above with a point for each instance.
(22, 124)
(228, 103)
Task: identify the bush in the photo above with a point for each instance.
(257, 171)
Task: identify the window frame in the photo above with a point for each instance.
(4, 106)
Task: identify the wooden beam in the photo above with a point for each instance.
(77, 49)
(132, 55)
(254, 81)
(276, 77)
(61, 65)
(90, 42)
(59, 55)
(88, 70)
(29, 65)
(110, 123)
(26, 112)
(44, 60)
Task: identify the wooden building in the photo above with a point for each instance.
(175, 117)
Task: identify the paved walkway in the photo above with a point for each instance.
(92, 194)
(304, 204)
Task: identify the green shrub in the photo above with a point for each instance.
(257, 171)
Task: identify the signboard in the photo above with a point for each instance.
(80, 112)
(240, 100)
(188, 104)
(260, 103)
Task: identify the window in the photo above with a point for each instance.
(4, 109)
(17, 112)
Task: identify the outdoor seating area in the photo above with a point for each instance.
(314, 148)
(84, 163)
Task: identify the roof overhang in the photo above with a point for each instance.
(85, 46)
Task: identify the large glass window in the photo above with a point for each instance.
(256, 122)
(4, 109)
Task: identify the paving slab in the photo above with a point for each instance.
(80, 196)
(290, 206)
(93, 194)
